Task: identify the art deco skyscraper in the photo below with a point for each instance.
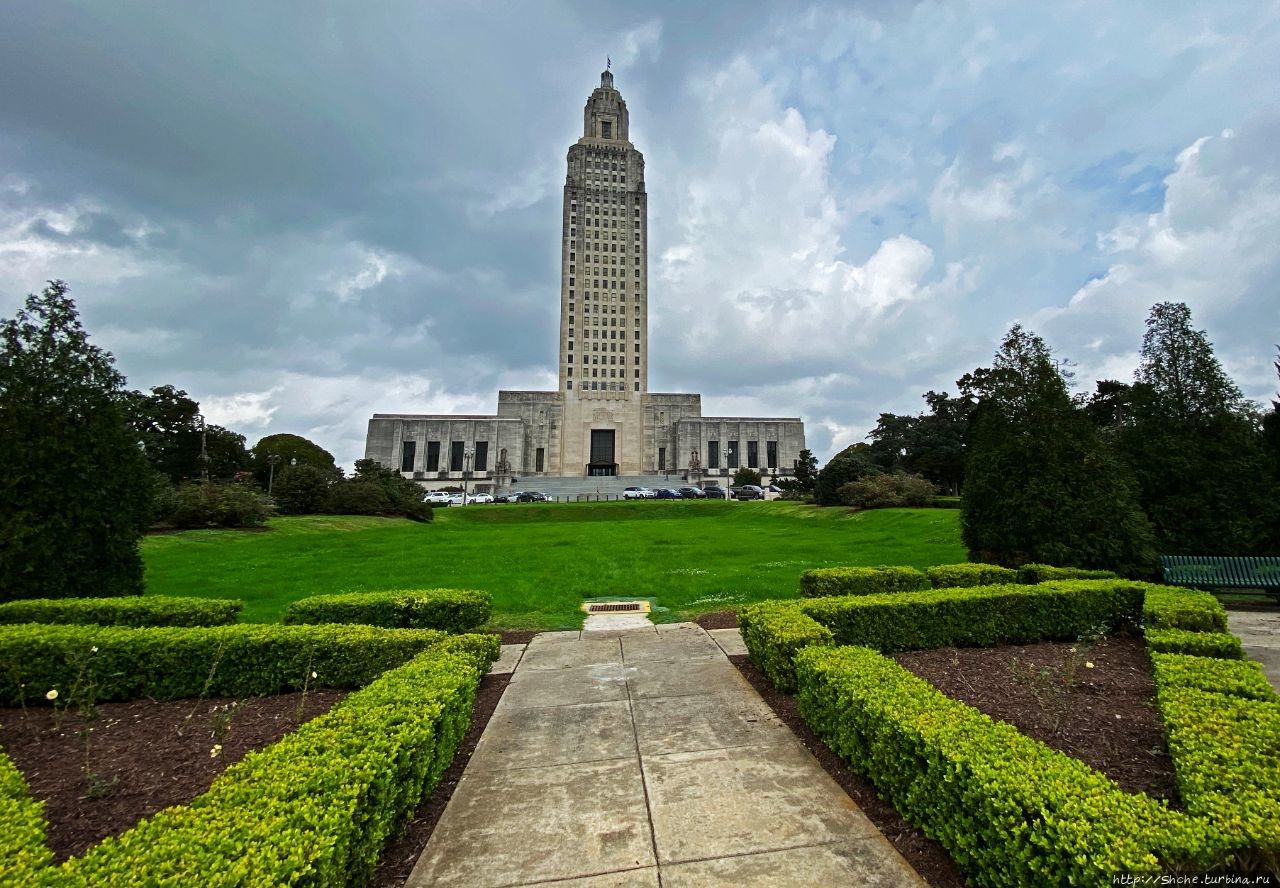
(604, 304)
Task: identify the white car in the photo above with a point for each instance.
(638, 493)
(480, 498)
(437, 498)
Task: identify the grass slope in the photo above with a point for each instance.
(539, 562)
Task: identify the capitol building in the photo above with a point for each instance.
(602, 420)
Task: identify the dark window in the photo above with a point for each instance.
(409, 450)
(455, 456)
(482, 456)
(538, 460)
(433, 456)
(753, 454)
(732, 462)
(771, 453)
(606, 129)
(662, 459)
(713, 454)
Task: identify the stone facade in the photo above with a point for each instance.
(603, 420)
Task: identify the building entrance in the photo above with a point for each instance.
(603, 461)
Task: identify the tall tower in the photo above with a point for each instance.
(604, 279)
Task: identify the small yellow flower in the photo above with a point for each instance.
(1088, 665)
(52, 695)
(216, 751)
(313, 675)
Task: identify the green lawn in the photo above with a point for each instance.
(539, 562)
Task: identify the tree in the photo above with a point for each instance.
(745, 475)
(302, 489)
(75, 489)
(931, 444)
(1195, 447)
(292, 450)
(170, 425)
(805, 473)
(1040, 485)
(851, 464)
(377, 490)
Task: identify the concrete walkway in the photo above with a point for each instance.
(1259, 633)
(641, 758)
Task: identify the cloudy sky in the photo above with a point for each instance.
(307, 212)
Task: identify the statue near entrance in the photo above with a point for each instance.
(694, 462)
(503, 467)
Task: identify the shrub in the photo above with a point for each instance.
(1169, 607)
(891, 490)
(1201, 644)
(220, 661)
(850, 464)
(1237, 678)
(213, 504)
(302, 489)
(453, 610)
(134, 610)
(951, 576)
(860, 581)
(316, 808)
(774, 632)
(744, 476)
(377, 490)
(1010, 810)
(23, 849)
(1044, 573)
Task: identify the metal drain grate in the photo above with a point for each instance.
(617, 607)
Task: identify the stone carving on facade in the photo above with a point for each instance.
(695, 462)
(503, 466)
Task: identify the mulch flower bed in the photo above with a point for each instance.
(140, 757)
(1046, 690)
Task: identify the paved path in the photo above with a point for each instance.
(642, 758)
(1259, 632)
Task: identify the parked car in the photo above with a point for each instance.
(637, 493)
(714, 493)
(749, 492)
(532, 496)
(691, 493)
(480, 498)
(667, 493)
(437, 498)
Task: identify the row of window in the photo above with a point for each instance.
(595, 309)
(603, 387)
(599, 359)
(731, 454)
(613, 373)
(457, 456)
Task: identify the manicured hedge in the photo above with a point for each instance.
(967, 617)
(774, 633)
(1010, 810)
(1043, 573)
(132, 610)
(1171, 607)
(860, 581)
(453, 610)
(1223, 645)
(317, 808)
(1238, 678)
(952, 576)
(22, 827)
(112, 663)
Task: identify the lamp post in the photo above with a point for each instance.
(273, 459)
(204, 450)
(467, 456)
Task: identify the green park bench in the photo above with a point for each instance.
(1225, 572)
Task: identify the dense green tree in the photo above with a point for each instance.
(377, 490)
(745, 475)
(302, 489)
(173, 432)
(75, 493)
(1040, 485)
(1271, 429)
(851, 464)
(1195, 447)
(931, 444)
(292, 450)
(804, 473)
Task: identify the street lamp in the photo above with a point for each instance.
(204, 450)
(467, 456)
(273, 459)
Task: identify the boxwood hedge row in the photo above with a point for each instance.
(131, 610)
(453, 610)
(1044, 573)
(23, 849)
(316, 808)
(860, 581)
(1172, 607)
(109, 663)
(951, 576)
(1010, 810)
(1223, 645)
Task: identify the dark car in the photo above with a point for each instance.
(667, 493)
(532, 496)
(749, 492)
(714, 493)
(691, 493)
